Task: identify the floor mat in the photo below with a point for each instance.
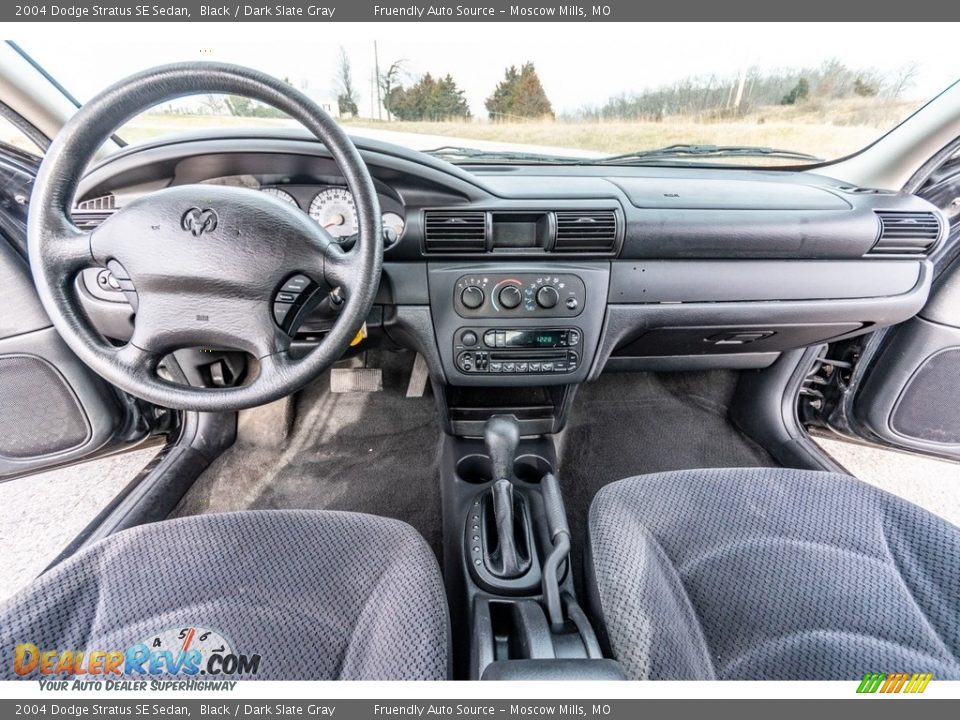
(627, 424)
(371, 452)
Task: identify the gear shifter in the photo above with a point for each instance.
(502, 436)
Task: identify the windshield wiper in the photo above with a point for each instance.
(685, 151)
(455, 153)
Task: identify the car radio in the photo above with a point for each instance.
(517, 351)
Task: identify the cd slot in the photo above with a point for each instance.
(529, 355)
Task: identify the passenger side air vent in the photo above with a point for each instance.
(593, 232)
(455, 232)
(906, 233)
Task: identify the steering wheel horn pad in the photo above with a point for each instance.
(205, 263)
(202, 263)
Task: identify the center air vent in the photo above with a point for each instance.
(455, 232)
(594, 231)
(906, 233)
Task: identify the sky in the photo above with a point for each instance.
(579, 63)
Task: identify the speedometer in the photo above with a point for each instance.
(335, 210)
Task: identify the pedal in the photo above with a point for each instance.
(346, 380)
(418, 377)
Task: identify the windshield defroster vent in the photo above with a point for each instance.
(906, 233)
(455, 232)
(594, 231)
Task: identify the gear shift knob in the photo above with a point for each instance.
(501, 435)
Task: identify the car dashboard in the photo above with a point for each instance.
(542, 277)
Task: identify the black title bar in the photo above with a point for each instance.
(489, 11)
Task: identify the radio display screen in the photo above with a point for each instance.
(535, 338)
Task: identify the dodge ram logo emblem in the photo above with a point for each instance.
(199, 221)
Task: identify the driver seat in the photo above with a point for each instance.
(318, 595)
(772, 573)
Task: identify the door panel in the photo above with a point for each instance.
(911, 396)
(53, 410)
(901, 387)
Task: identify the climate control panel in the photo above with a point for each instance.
(519, 295)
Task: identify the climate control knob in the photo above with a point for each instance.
(547, 296)
(472, 297)
(510, 297)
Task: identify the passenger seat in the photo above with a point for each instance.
(771, 573)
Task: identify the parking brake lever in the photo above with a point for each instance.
(556, 517)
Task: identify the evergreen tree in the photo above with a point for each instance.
(519, 95)
(428, 99)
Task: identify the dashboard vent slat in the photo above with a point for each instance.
(104, 202)
(906, 233)
(90, 219)
(455, 232)
(593, 231)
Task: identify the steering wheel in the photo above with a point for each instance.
(202, 265)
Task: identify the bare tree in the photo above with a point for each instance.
(389, 81)
(213, 104)
(904, 79)
(348, 98)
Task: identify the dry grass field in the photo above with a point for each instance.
(826, 129)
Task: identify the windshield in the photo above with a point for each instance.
(752, 93)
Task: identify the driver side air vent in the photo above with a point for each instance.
(906, 233)
(104, 202)
(90, 219)
(455, 232)
(594, 231)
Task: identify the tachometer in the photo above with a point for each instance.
(280, 195)
(335, 210)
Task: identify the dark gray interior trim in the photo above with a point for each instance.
(658, 281)
(627, 321)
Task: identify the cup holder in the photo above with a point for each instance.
(475, 469)
(531, 468)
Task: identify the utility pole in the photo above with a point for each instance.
(376, 76)
(743, 80)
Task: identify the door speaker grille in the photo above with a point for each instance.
(928, 408)
(39, 414)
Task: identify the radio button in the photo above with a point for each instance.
(501, 339)
(496, 367)
(521, 367)
(490, 338)
(573, 338)
(534, 367)
(546, 366)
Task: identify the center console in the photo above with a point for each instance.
(515, 339)
(517, 324)
(507, 564)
